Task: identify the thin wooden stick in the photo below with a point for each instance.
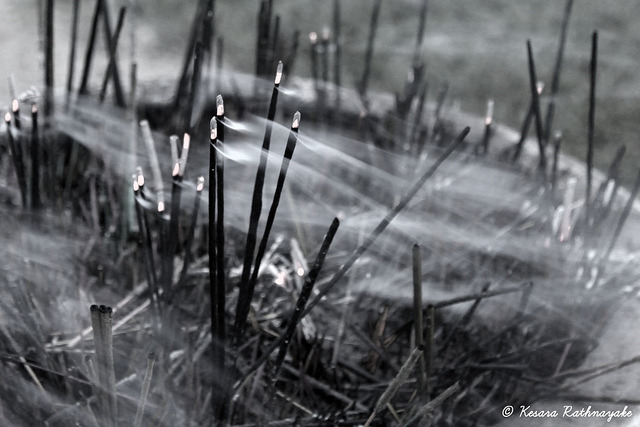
(213, 137)
(305, 293)
(101, 321)
(394, 386)
(246, 292)
(146, 386)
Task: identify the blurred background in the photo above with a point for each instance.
(478, 48)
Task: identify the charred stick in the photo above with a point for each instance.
(48, 59)
(145, 245)
(555, 82)
(288, 154)
(337, 56)
(220, 253)
(72, 48)
(246, 292)
(213, 137)
(194, 33)
(373, 26)
(195, 84)
(112, 53)
(111, 47)
(305, 293)
(35, 159)
(417, 312)
(557, 140)
(591, 122)
(88, 58)
(536, 109)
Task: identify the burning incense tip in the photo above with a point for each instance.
(176, 170)
(278, 73)
(296, 120)
(140, 179)
(313, 37)
(219, 106)
(200, 185)
(7, 117)
(489, 116)
(15, 106)
(539, 87)
(160, 207)
(213, 127)
(34, 108)
(136, 187)
(182, 162)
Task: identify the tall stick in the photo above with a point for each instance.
(113, 65)
(48, 55)
(592, 110)
(288, 154)
(417, 312)
(305, 293)
(213, 137)
(373, 26)
(536, 109)
(246, 292)
(88, 58)
(555, 82)
(220, 268)
(72, 49)
(35, 159)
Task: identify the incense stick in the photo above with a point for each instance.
(72, 49)
(536, 109)
(35, 159)
(246, 292)
(213, 137)
(305, 293)
(220, 253)
(188, 253)
(48, 59)
(555, 82)
(591, 123)
(417, 312)
(373, 26)
(365, 246)
(88, 58)
(288, 154)
(101, 321)
(113, 66)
